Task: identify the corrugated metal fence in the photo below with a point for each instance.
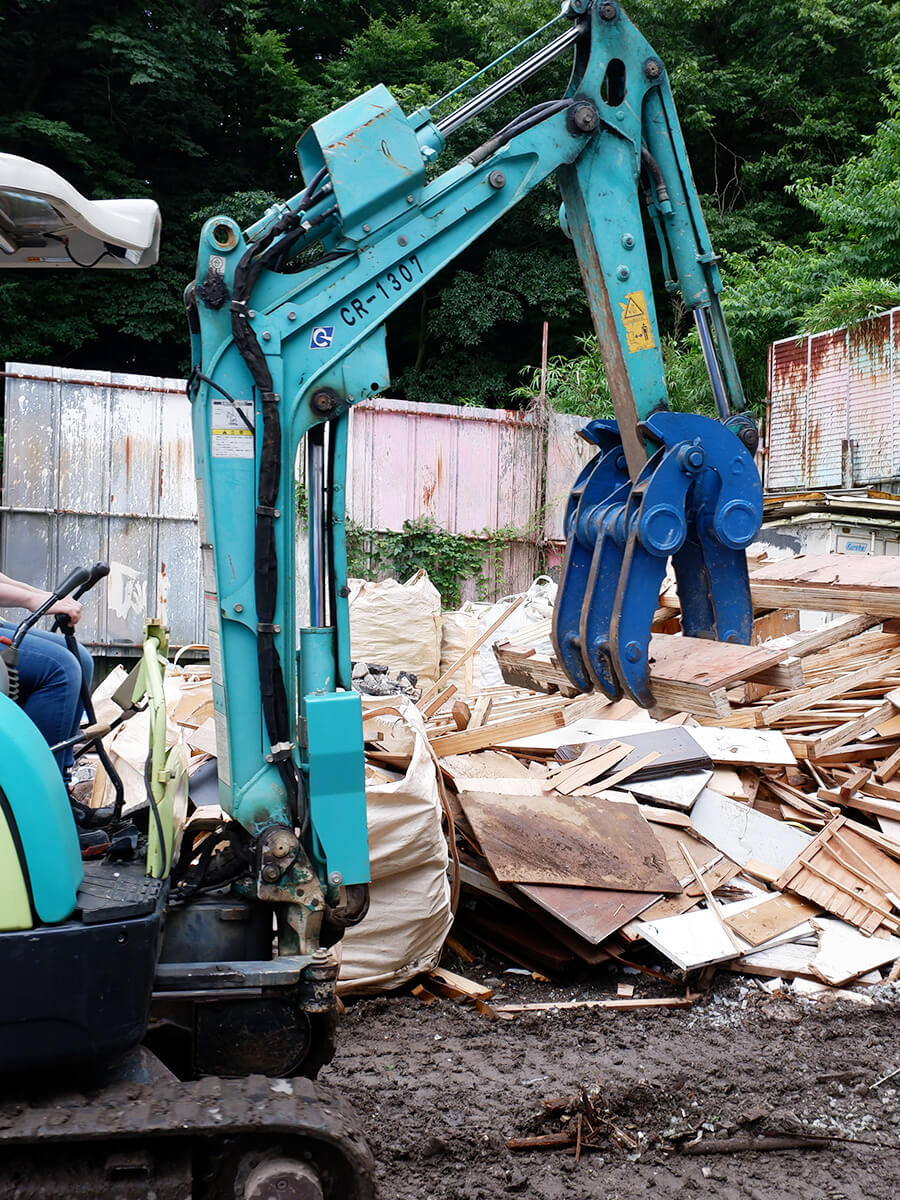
(834, 407)
(100, 466)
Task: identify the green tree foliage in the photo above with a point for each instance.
(199, 104)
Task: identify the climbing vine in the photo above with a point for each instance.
(449, 558)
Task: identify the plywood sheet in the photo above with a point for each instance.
(678, 792)
(678, 659)
(570, 840)
(744, 747)
(844, 953)
(592, 913)
(868, 584)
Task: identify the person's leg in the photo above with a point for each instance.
(50, 687)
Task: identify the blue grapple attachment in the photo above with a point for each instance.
(698, 502)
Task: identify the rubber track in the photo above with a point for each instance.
(211, 1107)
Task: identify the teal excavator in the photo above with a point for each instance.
(162, 1018)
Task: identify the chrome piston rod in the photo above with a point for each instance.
(517, 75)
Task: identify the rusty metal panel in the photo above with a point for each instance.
(834, 404)
(100, 466)
(870, 420)
(468, 468)
(826, 412)
(786, 434)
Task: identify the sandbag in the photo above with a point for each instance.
(397, 625)
(409, 912)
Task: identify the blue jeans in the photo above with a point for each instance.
(50, 686)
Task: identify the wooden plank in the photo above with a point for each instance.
(867, 584)
(839, 686)
(568, 840)
(690, 697)
(621, 776)
(618, 1002)
(438, 701)
(490, 735)
(456, 987)
(839, 630)
(851, 729)
(771, 918)
(481, 711)
(580, 773)
(786, 675)
(710, 899)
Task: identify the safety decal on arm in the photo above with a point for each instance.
(636, 320)
(230, 437)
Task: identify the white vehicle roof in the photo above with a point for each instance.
(45, 222)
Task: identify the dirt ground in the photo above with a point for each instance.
(440, 1089)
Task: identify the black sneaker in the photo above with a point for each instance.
(93, 842)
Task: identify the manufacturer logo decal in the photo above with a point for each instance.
(322, 337)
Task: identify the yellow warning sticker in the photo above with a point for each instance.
(636, 320)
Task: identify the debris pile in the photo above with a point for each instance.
(750, 822)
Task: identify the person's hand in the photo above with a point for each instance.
(67, 607)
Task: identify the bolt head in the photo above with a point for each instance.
(584, 118)
(324, 401)
(335, 878)
(622, 273)
(608, 12)
(497, 179)
(653, 68)
(633, 652)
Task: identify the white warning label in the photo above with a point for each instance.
(231, 435)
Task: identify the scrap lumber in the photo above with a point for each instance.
(493, 734)
(675, 658)
(841, 685)
(620, 776)
(846, 876)
(618, 1002)
(456, 987)
(867, 584)
(568, 840)
(593, 762)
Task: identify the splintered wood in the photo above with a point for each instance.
(751, 820)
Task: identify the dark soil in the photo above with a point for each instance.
(440, 1088)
